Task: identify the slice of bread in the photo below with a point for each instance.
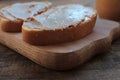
(12, 17)
(59, 25)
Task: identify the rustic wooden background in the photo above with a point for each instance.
(13, 66)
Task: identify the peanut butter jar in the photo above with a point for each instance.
(109, 9)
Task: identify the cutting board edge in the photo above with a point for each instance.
(63, 61)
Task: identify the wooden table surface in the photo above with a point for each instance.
(105, 66)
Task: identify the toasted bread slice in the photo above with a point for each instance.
(59, 25)
(12, 17)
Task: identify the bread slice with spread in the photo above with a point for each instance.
(13, 16)
(59, 25)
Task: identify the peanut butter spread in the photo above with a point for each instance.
(60, 17)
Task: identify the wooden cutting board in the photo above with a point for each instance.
(68, 55)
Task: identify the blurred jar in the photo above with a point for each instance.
(109, 9)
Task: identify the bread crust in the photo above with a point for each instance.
(11, 26)
(50, 37)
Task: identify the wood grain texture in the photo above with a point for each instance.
(106, 66)
(39, 60)
(61, 56)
